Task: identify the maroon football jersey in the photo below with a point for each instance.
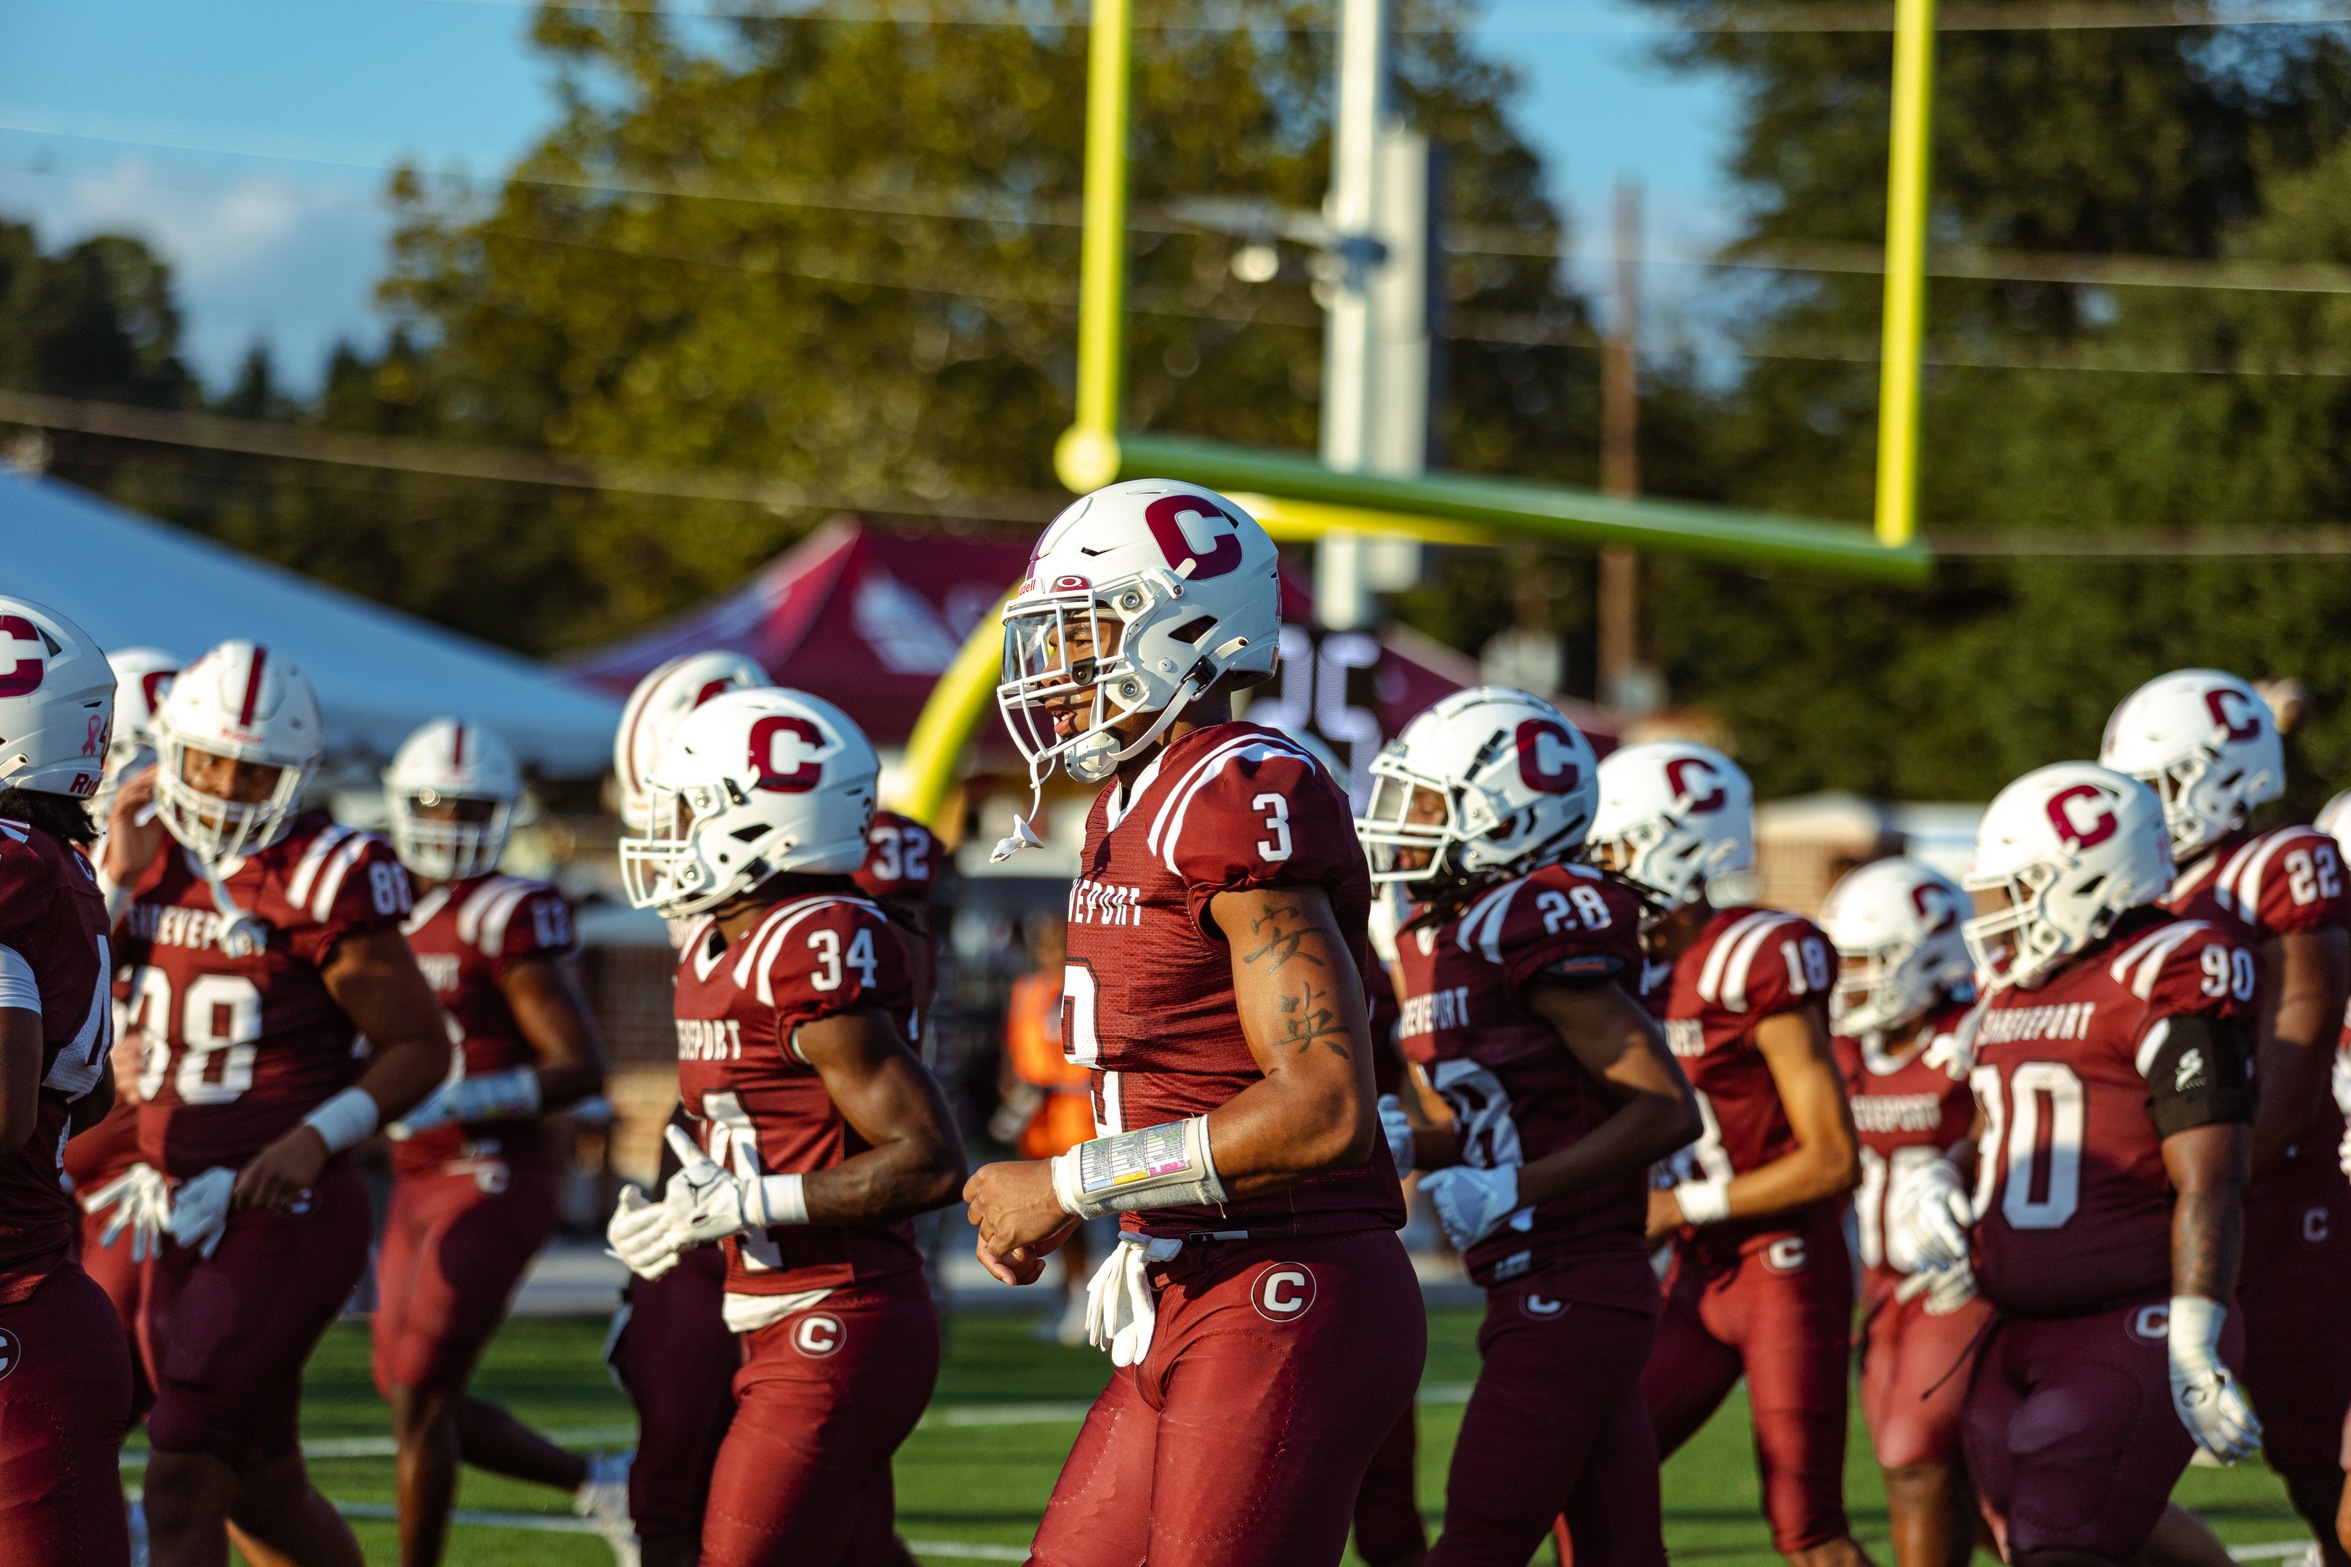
(1745, 966)
(2073, 1206)
(2255, 885)
(467, 936)
(901, 859)
(53, 923)
(1516, 1091)
(94, 1157)
(249, 1046)
(758, 1107)
(1147, 999)
(1906, 1109)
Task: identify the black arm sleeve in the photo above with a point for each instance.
(2202, 1073)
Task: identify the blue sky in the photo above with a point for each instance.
(247, 139)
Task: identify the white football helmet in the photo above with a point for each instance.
(452, 760)
(248, 704)
(1488, 783)
(2208, 746)
(1896, 925)
(1139, 598)
(656, 708)
(142, 676)
(56, 702)
(2075, 846)
(2334, 818)
(754, 783)
(1672, 817)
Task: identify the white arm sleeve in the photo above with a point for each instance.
(18, 987)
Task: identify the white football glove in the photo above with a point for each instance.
(1928, 1215)
(141, 1200)
(2203, 1393)
(1398, 1128)
(1122, 1309)
(705, 1200)
(1946, 1288)
(1471, 1202)
(638, 1234)
(200, 1209)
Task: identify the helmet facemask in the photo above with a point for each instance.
(1879, 989)
(1083, 658)
(1444, 839)
(214, 826)
(2203, 797)
(689, 862)
(2017, 945)
(466, 842)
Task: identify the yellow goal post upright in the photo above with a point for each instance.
(1299, 500)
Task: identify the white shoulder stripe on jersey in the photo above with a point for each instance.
(747, 953)
(483, 920)
(330, 879)
(1742, 964)
(765, 966)
(2137, 965)
(1182, 787)
(1179, 804)
(426, 907)
(18, 987)
(1719, 955)
(21, 834)
(2153, 1043)
(469, 916)
(2240, 893)
(306, 869)
(1110, 1118)
(1483, 922)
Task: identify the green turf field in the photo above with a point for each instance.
(977, 1474)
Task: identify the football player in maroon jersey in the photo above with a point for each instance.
(65, 1375)
(669, 1345)
(1904, 990)
(262, 944)
(1516, 976)
(1761, 1283)
(820, 1133)
(2205, 742)
(901, 874)
(1263, 1319)
(476, 1192)
(2113, 1079)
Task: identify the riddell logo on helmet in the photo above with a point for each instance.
(1166, 517)
(2233, 711)
(24, 678)
(1543, 757)
(1677, 778)
(2071, 829)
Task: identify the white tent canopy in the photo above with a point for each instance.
(132, 582)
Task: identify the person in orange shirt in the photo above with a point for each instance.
(1048, 1105)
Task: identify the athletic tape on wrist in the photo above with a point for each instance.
(1704, 1202)
(2194, 1334)
(344, 1119)
(1158, 1167)
(498, 1095)
(778, 1199)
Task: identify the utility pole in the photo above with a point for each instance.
(1380, 297)
(1620, 456)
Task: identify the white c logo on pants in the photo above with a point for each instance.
(2316, 1222)
(1282, 1291)
(818, 1334)
(1785, 1255)
(2152, 1323)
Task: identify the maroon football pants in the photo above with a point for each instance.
(65, 1401)
(1779, 1312)
(822, 1401)
(2294, 1294)
(678, 1362)
(2071, 1438)
(1277, 1368)
(125, 1284)
(1915, 1368)
(456, 1243)
(1388, 1529)
(1555, 1429)
(227, 1336)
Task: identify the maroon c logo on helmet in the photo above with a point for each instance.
(1934, 906)
(1677, 776)
(1165, 517)
(25, 677)
(2061, 817)
(806, 772)
(2218, 701)
(1533, 770)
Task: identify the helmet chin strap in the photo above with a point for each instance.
(245, 934)
(1090, 760)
